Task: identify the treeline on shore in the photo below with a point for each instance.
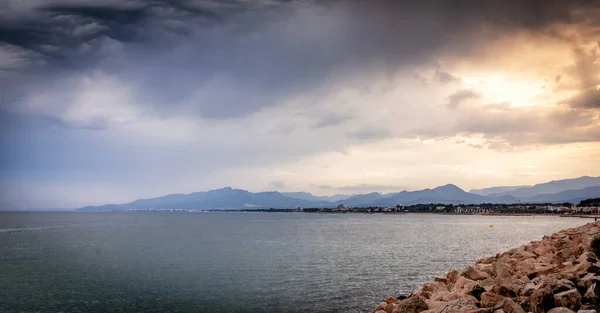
(588, 206)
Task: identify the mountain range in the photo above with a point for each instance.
(568, 190)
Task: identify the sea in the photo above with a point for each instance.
(240, 262)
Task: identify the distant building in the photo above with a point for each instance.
(341, 207)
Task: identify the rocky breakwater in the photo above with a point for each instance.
(558, 274)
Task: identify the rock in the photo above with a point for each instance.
(512, 307)
(586, 281)
(586, 311)
(525, 266)
(594, 269)
(541, 300)
(592, 294)
(507, 290)
(461, 305)
(502, 270)
(477, 291)
(541, 270)
(563, 285)
(414, 304)
(391, 307)
(441, 280)
(570, 299)
(528, 289)
(487, 284)
(435, 287)
(452, 276)
(542, 250)
(463, 285)
(438, 296)
(474, 274)
(380, 307)
(560, 310)
(522, 255)
(489, 299)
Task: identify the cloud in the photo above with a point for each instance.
(174, 92)
(361, 188)
(589, 98)
(369, 133)
(460, 96)
(445, 77)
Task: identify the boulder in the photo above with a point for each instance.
(452, 276)
(435, 287)
(541, 270)
(463, 285)
(461, 305)
(508, 290)
(512, 307)
(414, 304)
(563, 285)
(528, 289)
(541, 300)
(502, 270)
(542, 250)
(594, 269)
(592, 295)
(586, 281)
(525, 266)
(523, 254)
(570, 299)
(477, 291)
(489, 299)
(441, 280)
(474, 274)
(560, 310)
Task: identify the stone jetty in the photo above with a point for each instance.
(558, 274)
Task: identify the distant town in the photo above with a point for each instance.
(589, 207)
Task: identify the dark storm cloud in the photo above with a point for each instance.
(587, 72)
(231, 58)
(586, 99)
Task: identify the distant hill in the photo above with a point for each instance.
(555, 186)
(496, 190)
(225, 198)
(573, 196)
(229, 198)
(443, 194)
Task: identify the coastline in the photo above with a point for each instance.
(557, 274)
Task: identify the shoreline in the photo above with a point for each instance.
(557, 274)
(594, 216)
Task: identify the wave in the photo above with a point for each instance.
(27, 229)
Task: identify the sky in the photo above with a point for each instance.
(113, 100)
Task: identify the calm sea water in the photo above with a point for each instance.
(239, 262)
